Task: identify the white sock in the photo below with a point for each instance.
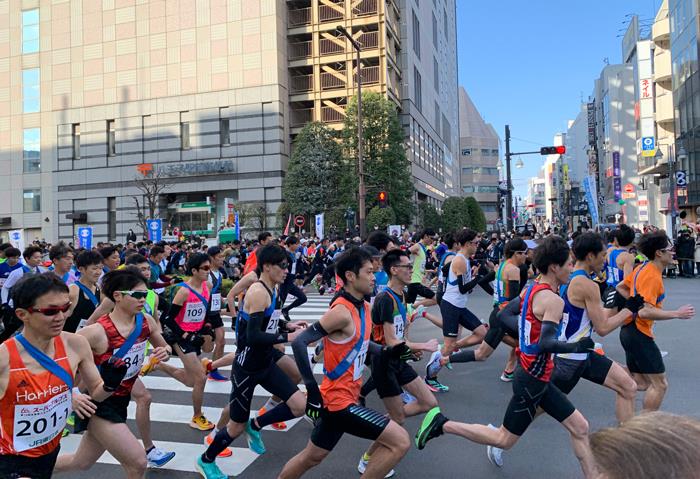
(213, 432)
(270, 404)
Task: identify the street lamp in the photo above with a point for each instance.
(519, 163)
(360, 161)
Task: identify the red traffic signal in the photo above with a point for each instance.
(552, 150)
(382, 197)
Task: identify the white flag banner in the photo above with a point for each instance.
(319, 226)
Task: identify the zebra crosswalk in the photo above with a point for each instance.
(171, 412)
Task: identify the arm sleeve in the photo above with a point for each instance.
(168, 319)
(548, 340)
(513, 289)
(257, 337)
(508, 316)
(299, 345)
(464, 288)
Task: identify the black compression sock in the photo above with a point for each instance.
(464, 356)
(221, 441)
(279, 413)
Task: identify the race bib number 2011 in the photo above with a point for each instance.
(37, 424)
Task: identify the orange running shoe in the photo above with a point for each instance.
(208, 439)
(278, 426)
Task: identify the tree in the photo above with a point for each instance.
(386, 166)
(311, 184)
(477, 219)
(152, 183)
(258, 215)
(381, 217)
(428, 216)
(454, 214)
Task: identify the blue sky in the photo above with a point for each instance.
(527, 63)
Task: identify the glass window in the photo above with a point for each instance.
(416, 35)
(32, 200)
(31, 150)
(111, 219)
(418, 89)
(436, 75)
(111, 139)
(225, 131)
(76, 141)
(487, 189)
(30, 90)
(30, 31)
(485, 152)
(466, 152)
(468, 189)
(435, 32)
(494, 152)
(467, 171)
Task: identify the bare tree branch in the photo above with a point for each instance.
(152, 184)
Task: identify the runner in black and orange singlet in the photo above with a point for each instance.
(37, 371)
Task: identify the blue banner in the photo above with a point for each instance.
(238, 228)
(155, 230)
(85, 237)
(589, 187)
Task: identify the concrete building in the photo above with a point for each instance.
(535, 202)
(205, 95)
(479, 153)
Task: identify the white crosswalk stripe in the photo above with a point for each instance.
(175, 417)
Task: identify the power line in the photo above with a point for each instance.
(527, 141)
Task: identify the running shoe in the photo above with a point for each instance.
(286, 315)
(433, 367)
(255, 442)
(407, 397)
(279, 426)
(507, 376)
(430, 428)
(436, 386)
(209, 470)
(495, 454)
(71, 420)
(158, 457)
(66, 432)
(202, 423)
(150, 366)
(215, 375)
(362, 465)
(209, 438)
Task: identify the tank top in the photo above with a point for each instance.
(342, 392)
(215, 298)
(133, 358)
(615, 274)
(575, 324)
(194, 311)
(83, 310)
(536, 363)
(150, 306)
(35, 407)
(452, 294)
(419, 264)
(257, 358)
(500, 290)
(398, 314)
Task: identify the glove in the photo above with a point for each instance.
(314, 403)
(195, 340)
(585, 345)
(635, 303)
(609, 298)
(112, 372)
(176, 280)
(400, 351)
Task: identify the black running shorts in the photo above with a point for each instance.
(567, 372)
(390, 375)
(453, 317)
(641, 352)
(243, 385)
(112, 409)
(355, 420)
(15, 466)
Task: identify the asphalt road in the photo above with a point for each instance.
(476, 395)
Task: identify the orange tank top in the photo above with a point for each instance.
(342, 392)
(35, 407)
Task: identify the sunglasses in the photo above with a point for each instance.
(283, 265)
(407, 266)
(51, 310)
(135, 294)
(204, 268)
(520, 252)
(476, 241)
(668, 250)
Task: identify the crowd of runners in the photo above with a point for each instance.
(80, 328)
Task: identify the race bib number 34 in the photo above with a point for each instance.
(36, 424)
(134, 359)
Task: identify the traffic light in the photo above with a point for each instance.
(552, 150)
(382, 199)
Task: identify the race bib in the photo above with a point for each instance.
(274, 323)
(181, 262)
(194, 312)
(36, 424)
(398, 326)
(133, 359)
(216, 302)
(359, 363)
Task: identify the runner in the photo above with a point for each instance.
(37, 370)
(460, 281)
(186, 326)
(84, 293)
(620, 263)
(542, 312)
(10, 263)
(216, 278)
(289, 286)
(255, 364)
(643, 356)
(416, 287)
(32, 260)
(61, 257)
(122, 334)
(345, 330)
(251, 263)
(390, 327)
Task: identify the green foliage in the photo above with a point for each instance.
(477, 219)
(385, 163)
(312, 183)
(381, 217)
(428, 216)
(454, 214)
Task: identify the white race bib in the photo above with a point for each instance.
(194, 312)
(398, 326)
(359, 363)
(274, 322)
(36, 424)
(134, 359)
(216, 302)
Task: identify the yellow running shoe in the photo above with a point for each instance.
(201, 423)
(150, 366)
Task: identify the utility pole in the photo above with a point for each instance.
(509, 184)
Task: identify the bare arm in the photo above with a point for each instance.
(602, 325)
(89, 375)
(652, 312)
(73, 296)
(105, 307)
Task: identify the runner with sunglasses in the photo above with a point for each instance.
(185, 327)
(256, 363)
(37, 370)
(123, 334)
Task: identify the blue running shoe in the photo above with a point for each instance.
(407, 397)
(215, 375)
(158, 457)
(433, 367)
(255, 442)
(209, 470)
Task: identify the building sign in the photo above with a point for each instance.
(643, 206)
(85, 237)
(199, 168)
(648, 146)
(590, 110)
(616, 163)
(646, 89)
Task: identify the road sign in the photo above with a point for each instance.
(629, 188)
(681, 178)
(85, 237)
(648, 143)
(155, 229)
(299, 221)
